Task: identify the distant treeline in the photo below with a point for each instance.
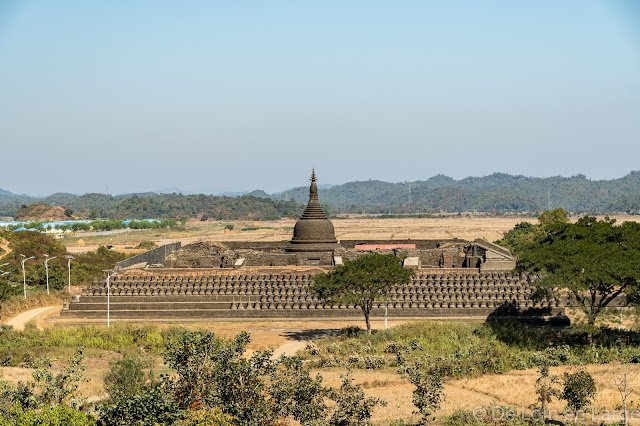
(160, 206)
(98, 225)
(497, 193)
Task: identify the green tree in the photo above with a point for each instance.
(361, 282)
(591, 262)
(550, 217)
(579, 390)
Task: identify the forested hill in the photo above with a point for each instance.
(497, 192)
(161, 206)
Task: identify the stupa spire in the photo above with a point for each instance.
(313, 210)
(314, 231)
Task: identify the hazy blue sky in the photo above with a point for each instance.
(236, 95)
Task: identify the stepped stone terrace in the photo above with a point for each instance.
(250, 280)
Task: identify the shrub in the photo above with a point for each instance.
(354, 360)
(47, 415)
(28, 359)
(428, 394)
(125, 378)
(394, 347)
(463, 418)
(62, 387)
(7, 359)
(353, 407)
(352, 331)
(579, 390)
(152, 406)
(372, 362)
(415, 344)
(312, 348)
(205, 417)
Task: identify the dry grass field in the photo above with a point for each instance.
(513, 389)
(463, 227)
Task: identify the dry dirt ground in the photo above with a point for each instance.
(513, 389)
(40, 315)
(463, 227)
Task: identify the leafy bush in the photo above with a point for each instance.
(62, 387)
(353, 407)
(47, 415)
(372, 362)
(579, 390)
(429, 383)
(126, 378)
(151, 406)
(394, 347)
(312, 348)
(205, 417)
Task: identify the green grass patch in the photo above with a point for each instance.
(470, 349)
(255, 228)
(119, 338)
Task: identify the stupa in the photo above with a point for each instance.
(313, 231)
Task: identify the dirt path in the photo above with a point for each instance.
(4, 245)
(18, 322)
(289, 349)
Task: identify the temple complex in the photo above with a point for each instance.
(225, 280)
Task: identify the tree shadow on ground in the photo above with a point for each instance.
(308, 335)
(540, 328)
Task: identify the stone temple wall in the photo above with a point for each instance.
(192, 294)
(432, 253)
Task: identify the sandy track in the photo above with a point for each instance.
(18, 322)
(4, 245)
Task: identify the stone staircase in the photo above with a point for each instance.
(279, 293)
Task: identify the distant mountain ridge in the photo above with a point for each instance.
(498, 192)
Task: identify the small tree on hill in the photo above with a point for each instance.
(361, 282)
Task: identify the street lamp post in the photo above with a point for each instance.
(24, 276)
(386, 304)
(109, 292)
(3, 273)
(46, 267)
(70, 258)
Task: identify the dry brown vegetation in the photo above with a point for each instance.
(513, 389)
(43, 212)
(463, 227)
